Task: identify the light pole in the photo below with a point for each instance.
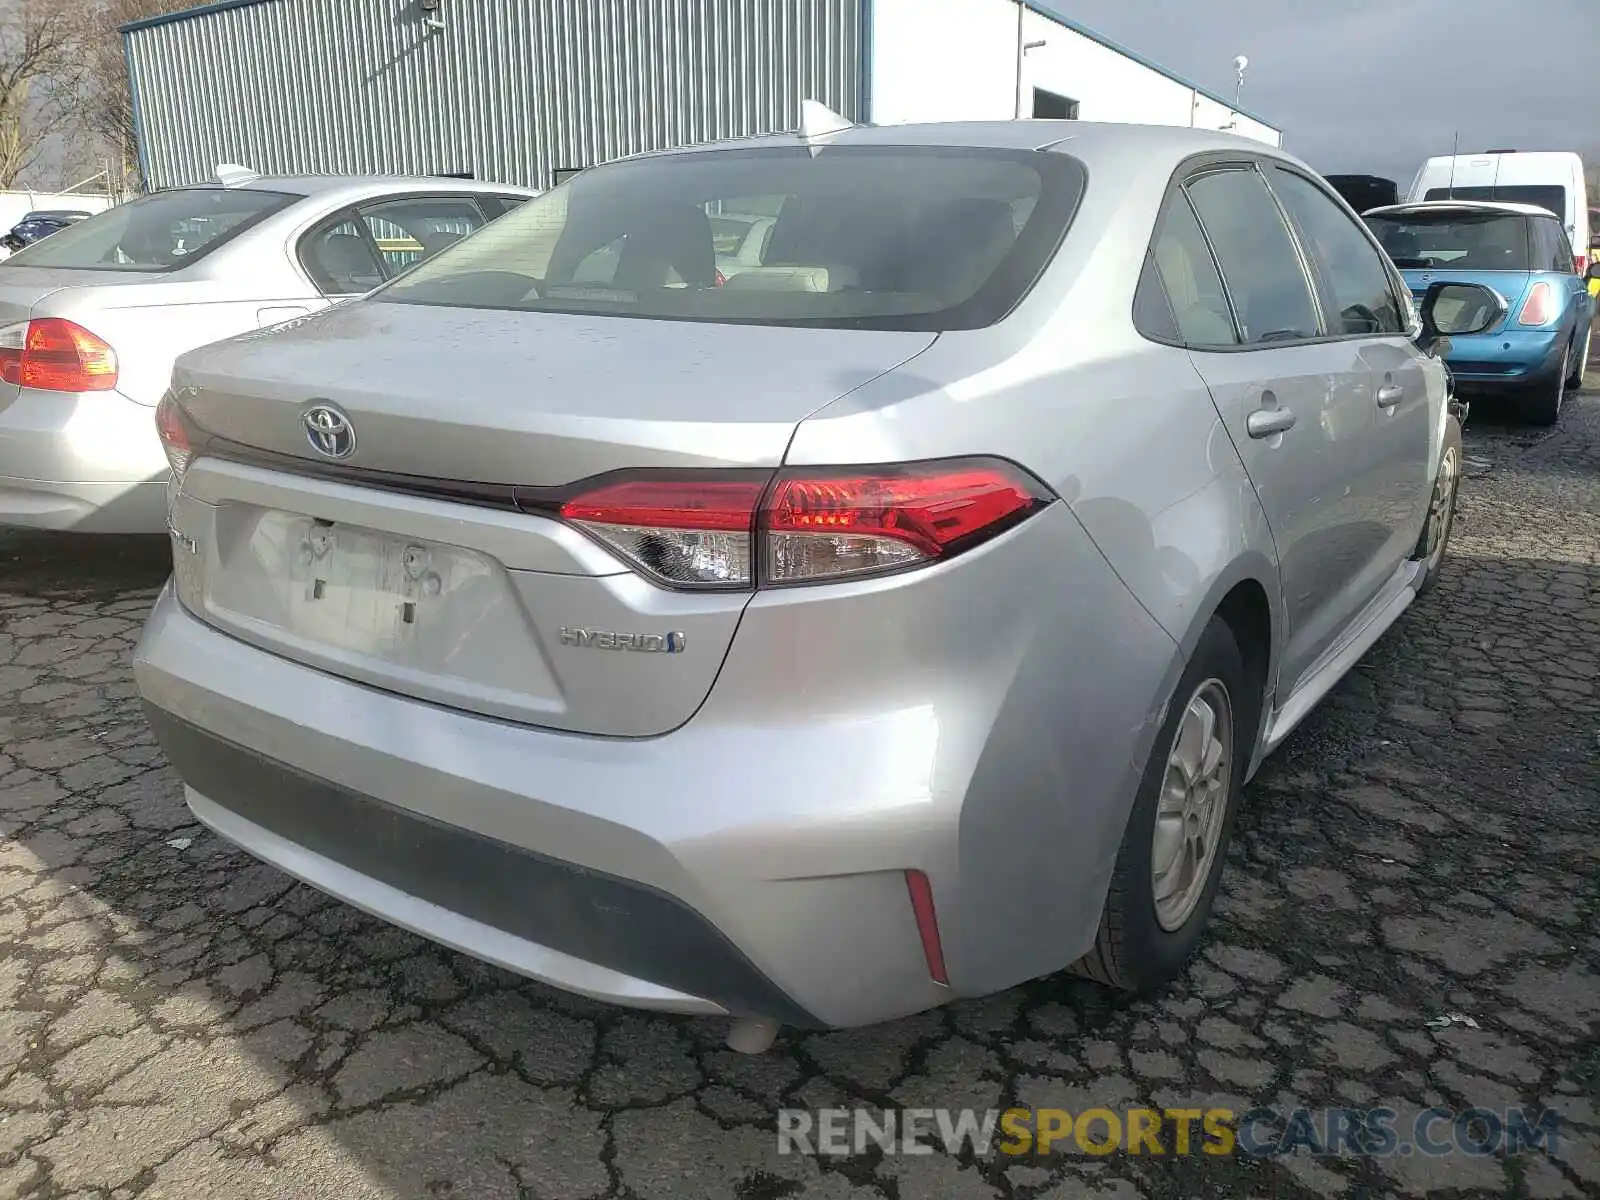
(1239, 65)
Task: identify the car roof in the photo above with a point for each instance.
(358, 186)
(1078, 138)
(1505, 207)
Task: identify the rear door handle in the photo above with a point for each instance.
(1265, 422)
(1390, 394)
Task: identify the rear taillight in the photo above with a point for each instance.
(732, 530)
(825, 525)
(1540, 306)
(1580, 264)
(174, 434)
(53, 354)
(688, 531)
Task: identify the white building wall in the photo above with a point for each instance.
(941, 60)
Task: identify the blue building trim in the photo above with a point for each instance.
(1045, 8)
(138, 117)
(865, 103)
(187, 14)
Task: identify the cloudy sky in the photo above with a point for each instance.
(1376, 86)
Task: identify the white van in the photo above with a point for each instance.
(1552, 180)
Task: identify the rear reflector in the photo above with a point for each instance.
(700, 528)
(53, 354)
(927, 924)
(1540, 306)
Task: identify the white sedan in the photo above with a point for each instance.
(92, 317)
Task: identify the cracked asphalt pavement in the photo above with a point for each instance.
(177, 1020)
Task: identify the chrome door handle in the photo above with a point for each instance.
(1390, 394)
(1265, 422)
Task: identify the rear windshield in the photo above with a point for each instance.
(160, 232)
(1464, 241)
(865, 237)
(1547, 196)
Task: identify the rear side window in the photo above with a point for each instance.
(159, 232)
(1259, 262)
(1551, 197)
(1188, 276)
(411, 230)
(1353, 272)
(1554, 251)
(341, 259)
(1457, 238)
(865, 237)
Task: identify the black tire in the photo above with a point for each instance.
(1542, 405)
(1428, 549)
(1580, 359)
(1132, 951)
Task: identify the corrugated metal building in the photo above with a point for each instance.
(524, 91)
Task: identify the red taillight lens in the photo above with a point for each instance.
(826, 525)
(1580, 264)
(699, 529)
(693, 531)
(53, 354)
(174, 436)
(1540, 306)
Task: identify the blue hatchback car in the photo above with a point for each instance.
(1540, 347)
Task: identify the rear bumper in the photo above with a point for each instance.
(1509, 359)
(753, 860)
(90, 463)
(501, 902)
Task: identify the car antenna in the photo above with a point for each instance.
(233, 175)
(818, 121)
(1455, 151)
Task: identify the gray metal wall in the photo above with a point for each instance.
(511, 90)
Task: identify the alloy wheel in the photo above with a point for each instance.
(1442, 505)
(1193, 805)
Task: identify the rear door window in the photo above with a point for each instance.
(1358, 283)
(1181, 260)
(341, 257)
(164, 231)
(1260, 263)
(414, 229)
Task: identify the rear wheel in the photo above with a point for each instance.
(1170, 862)
(1581, 366)
(1543, 406)
(1441, 509)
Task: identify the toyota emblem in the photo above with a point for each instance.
(329, 431)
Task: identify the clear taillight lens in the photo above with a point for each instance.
(53, 354)
(689, 531)
(701, 529)
(174, 436)
(1540, 307)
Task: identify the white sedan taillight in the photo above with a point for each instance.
(714, 529)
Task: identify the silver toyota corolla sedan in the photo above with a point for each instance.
(92, 318)
(893, 621)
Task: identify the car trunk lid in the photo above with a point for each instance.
(481, 606)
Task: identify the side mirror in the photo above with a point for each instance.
(1458, 309)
